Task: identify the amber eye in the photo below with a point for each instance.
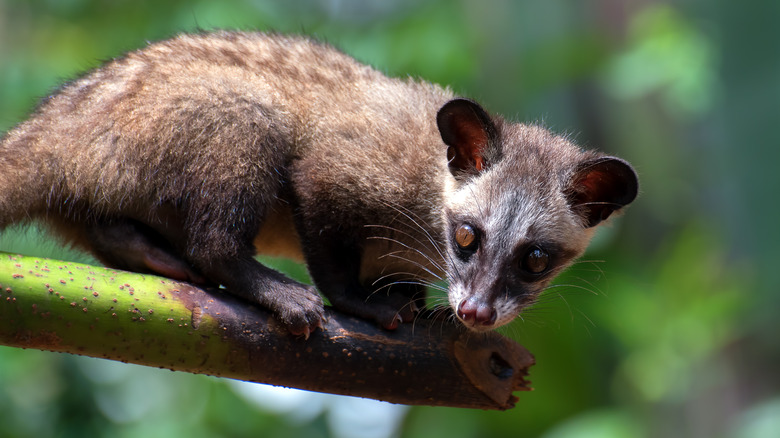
(466, 237)
(536, 261)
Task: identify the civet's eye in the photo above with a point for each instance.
(466, 237)
(535, 261)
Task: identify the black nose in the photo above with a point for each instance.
(473, 312)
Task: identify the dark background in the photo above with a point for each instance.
(668, 328)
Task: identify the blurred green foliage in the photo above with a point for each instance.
(666, 328)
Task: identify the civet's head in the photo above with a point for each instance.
(524, 207)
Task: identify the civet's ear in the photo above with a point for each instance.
(600, 186)
(468, 131)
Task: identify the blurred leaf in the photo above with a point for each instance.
(668, 55)
(760, 421)
(598, 424)
(682, 310)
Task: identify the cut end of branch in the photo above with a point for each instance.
(496, 366)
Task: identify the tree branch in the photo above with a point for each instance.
(148, 320)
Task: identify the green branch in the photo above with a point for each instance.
(148, 320)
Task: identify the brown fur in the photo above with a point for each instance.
(183, 157)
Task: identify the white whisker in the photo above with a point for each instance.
(573, 286)
(411, 275)
(410, 248)
(419, 265)
(408, 214)
(437, 245)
